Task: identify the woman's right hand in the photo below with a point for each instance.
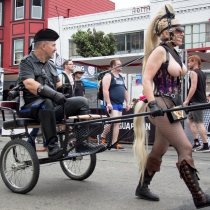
(155, 109)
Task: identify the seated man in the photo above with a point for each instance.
(42, 101)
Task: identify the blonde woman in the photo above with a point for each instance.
(164, 68)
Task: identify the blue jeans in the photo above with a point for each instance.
(34, 134)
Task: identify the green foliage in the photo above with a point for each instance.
(94, 43)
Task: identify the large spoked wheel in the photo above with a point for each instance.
(77, 168)
(19, 166)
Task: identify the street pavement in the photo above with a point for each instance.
(111, 186)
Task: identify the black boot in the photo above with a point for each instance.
(188, 174)
(48, 124)
(143, 191)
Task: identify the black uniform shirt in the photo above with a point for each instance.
(31, 67)
(79, 88)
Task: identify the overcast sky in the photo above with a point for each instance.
(120, 4)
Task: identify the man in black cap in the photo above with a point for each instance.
(42, 101)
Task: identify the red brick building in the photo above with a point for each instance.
(21, 19)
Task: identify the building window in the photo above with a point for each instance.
(1, 15)
(36, 9)
(130, 42)
(30, 41)
(73, 49)
(19, 9)
(120, 42)
(18, 51)
(197, 36)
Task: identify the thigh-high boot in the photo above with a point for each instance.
(188, 173)
(48, 124)
(142, 190)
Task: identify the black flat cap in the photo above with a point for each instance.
(46, 35)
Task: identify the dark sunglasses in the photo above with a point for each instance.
(178, 28)
(79, 72)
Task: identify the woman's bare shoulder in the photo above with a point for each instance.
(159, 49)
(158, 53)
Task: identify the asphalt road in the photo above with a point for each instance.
(111, 186)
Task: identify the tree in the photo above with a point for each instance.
(94, 43)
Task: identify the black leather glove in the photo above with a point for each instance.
(48, 92)
(155, 109)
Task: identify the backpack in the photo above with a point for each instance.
(68, 91)
(100, 87)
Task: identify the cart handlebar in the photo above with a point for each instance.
(115, 119)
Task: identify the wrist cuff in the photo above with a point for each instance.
(39, 89)
(152, 103)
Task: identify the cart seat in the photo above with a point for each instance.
(20, 123)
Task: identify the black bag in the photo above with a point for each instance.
(175, 116)
(100, 87)
(100, 91)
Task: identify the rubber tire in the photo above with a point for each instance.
(36, 167)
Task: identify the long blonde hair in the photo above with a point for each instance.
(141, 138)
(151, 41)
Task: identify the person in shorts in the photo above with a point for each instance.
(197, 95)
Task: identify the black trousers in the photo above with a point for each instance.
(73, 106)
(43, 110)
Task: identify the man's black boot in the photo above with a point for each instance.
(48, 124)
(54, 151)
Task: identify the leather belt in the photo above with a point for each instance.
(165, 94)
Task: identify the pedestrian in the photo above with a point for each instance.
(79, 85)
(197, 95)
(164, 67)
(115, 93)
(42, 102)
(67, 78)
